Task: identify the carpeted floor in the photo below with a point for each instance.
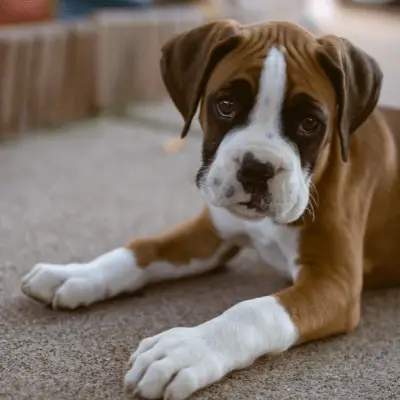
(76, 193)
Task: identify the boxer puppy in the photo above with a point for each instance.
(297, 164)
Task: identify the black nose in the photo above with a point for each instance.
(254, 174)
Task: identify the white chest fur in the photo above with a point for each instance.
(277, 245)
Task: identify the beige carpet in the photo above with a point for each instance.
(81, 191)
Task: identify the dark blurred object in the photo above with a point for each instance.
(374, 2)
(72, 9)
(370, 4)
(22, 11)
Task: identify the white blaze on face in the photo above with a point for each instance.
(287, 191)
(266, 112)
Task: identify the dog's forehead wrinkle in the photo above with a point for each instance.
(271, 91)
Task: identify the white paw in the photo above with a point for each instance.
(173, 365)
(62, 286)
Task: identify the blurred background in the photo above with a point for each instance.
(64, 60)
(90, 158)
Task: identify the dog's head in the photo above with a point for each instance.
(275, 103)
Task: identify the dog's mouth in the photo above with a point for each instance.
(256, 208)
(254, 205)
(259, 202)
(249, 214)
(260, 206)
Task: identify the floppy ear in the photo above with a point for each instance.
(357, 79)
(188, 59)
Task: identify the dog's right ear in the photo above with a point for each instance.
(189, 58)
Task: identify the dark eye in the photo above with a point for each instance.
(226, 108)
(308, 126)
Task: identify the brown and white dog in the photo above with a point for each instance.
(297, 164)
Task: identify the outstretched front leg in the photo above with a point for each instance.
(323, 301)
(191, 248)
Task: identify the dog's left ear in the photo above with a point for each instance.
(357, 79)
(189, 58)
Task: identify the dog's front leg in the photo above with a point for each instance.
(176, 363)
(190, 248)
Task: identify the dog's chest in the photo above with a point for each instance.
(276, 245)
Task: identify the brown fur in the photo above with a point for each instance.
(351, 237)
(194, 239)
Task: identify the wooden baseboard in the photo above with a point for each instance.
(57, 72)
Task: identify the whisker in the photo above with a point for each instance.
(314, 190)
(312, 212)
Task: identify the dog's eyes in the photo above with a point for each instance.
(308, 126)
(226, 108)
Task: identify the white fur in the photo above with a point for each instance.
(263, 137)
(271, 93)
(176, 363)
(74, 285)
(276, 245)
(116, 272)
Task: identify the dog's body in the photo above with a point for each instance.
(281, 111)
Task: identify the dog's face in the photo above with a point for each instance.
(274, 103)
(262, 134)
